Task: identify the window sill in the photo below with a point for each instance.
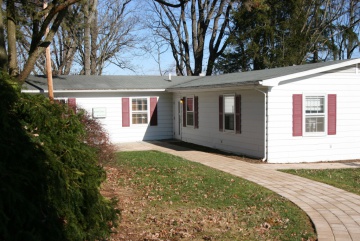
(314, 134)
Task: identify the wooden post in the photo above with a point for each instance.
(48, 66)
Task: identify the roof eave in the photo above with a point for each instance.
(94, 91)
(247, 84)
(275, 81)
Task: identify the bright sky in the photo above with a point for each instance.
(141, 63)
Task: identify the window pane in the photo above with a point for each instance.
(139, 118)
(314, 104)
(315, 124)
(139, 111)
(189, 104)
(229, 104)
(229, 121)
(190, 118)
(139, 104)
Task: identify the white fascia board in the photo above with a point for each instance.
(275, 81)
(94, 91)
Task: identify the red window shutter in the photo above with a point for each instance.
(297, 115)
(196, 112)
(125, 112)
(72, 104)
(238, 113)
(153, 111)
(332, 114)
(221, 113)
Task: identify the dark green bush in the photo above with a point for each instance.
(49, 175)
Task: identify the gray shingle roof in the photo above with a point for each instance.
(250, 77)
(113, 82)
(105, 82)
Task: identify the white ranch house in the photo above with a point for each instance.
(303, 113)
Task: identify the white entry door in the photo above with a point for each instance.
(178, 119)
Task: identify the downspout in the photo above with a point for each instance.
(265, 124)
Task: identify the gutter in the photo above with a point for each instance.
(94, 91)
(265, 124)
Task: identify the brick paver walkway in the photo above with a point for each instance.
(334, 212)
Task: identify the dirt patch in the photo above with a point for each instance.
(216, 151)
(235, 156)
(128, 203)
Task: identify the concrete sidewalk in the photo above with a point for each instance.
(334, 212)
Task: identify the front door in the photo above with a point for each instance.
(177, 119)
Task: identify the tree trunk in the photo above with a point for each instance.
(87, 40)
(70, 58)
(94, 36)
(3, 54)
(40, 48)
(11, 36)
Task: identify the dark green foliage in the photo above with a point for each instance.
(266, 37)
(49, 177)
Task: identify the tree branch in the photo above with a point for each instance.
(181, 3)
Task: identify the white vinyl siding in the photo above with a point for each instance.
(284, 148)
(113, 121)
(251, 140)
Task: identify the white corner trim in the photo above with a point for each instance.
(275, 81)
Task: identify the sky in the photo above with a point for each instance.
(141, 63)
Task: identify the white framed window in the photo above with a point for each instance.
(139, 110)
(229, 113)
(315, 114)
(190, 111)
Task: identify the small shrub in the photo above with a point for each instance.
(98, 138)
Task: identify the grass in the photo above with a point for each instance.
(346, 179)
(174, 199)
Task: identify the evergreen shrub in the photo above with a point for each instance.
(49, 175)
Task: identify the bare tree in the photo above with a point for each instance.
(156, 47)
(173, 5)
(345, 33)
(64, 50)
(191, 29)
(111, 26)
(55, 13)
(110, 35)
(90, 35)
(319, 28)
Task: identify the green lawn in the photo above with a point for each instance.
(346, 179)
(179, 199)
